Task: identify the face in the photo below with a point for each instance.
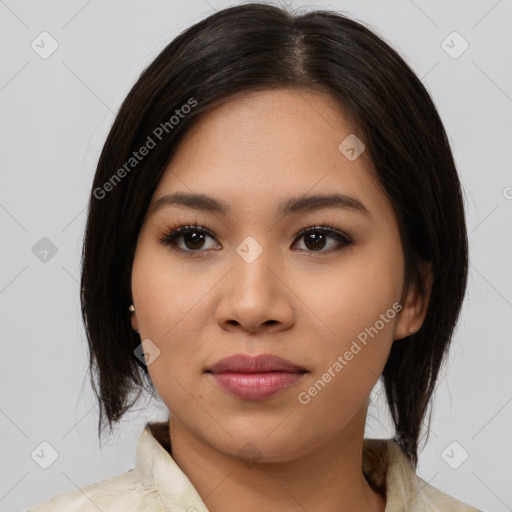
(249, 280)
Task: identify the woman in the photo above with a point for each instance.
(275, 222)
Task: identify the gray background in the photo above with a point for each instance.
(55, 115)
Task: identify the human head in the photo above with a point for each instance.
(260, 47)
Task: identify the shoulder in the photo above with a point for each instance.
(413, 490)
(438, 500)
(441, 501)
(121, 492)
(390, 471)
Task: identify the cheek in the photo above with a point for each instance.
(358, 307)
(354, 296)
(167, 314)
(165, 291)
(351, 354)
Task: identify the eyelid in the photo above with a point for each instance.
(328, 228)
(180, 229)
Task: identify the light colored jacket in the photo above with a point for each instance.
(157, 484)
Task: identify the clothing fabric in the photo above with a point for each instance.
(157, 484)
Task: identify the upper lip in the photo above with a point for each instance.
(243, 363)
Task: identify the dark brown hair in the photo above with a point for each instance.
(259, 46)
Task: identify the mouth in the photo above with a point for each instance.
(255, 378)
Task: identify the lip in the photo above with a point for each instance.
(263, 363)
(255, 378)
(243, 363)
(255, 386)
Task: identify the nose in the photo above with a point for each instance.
(255, 297)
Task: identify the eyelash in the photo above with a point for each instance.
(327, 229)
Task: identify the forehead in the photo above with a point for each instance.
(264, 146)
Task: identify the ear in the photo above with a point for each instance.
(415, 304)
(135, 323)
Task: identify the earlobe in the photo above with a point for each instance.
(415, 304)
(133, 319)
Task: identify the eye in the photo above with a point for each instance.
(315, 238)
(194, 236)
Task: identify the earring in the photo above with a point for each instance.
(132, 309)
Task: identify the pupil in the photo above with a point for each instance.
(318, 240)
(196, 239)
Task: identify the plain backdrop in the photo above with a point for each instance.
(56, 111)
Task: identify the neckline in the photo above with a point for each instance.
(375, 455)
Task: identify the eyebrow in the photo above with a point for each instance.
(207, 203)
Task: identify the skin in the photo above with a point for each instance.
(302, 304)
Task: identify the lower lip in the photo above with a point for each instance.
(255, 386)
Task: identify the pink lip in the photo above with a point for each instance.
(255, 378)
(255, 386)
(242, 363)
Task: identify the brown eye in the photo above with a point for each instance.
(316, 237)
(193, 238)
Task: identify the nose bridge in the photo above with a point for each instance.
(254, 295)
(251, 273)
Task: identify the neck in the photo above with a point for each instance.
(328, 477)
